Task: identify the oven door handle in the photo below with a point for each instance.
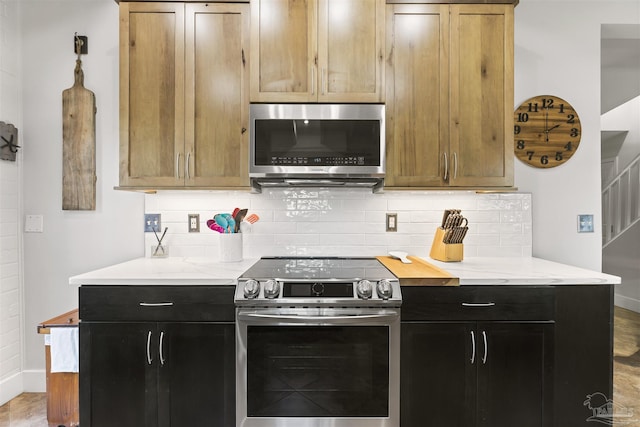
(356, 318)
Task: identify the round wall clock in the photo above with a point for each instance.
(547, 131)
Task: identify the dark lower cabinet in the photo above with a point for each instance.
(179, 372)
(521, 355)
(515, 374)
(158, 374)
(477, 356)
(119, 385)
(476, 374)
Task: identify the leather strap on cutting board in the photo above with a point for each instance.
(78, 145)
(418, 273)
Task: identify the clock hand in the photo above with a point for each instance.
(550, 129)
(546, 130)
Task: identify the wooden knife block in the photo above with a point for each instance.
(443, 251)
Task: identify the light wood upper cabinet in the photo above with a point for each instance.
(184, 95)
(449, 95)
(482, 95)
(151, 93)
(417, 107)
(217, 95)
(317, 50)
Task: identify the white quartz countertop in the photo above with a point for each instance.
(166, 271)
(522, 271)
(471, 271)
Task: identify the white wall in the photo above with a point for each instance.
(557, 52)
(11, 307)
(73, 241)
(557, 47)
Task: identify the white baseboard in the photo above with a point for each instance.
(626, 302)
(35, 381)
(11, 387)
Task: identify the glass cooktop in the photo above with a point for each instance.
(318, 268)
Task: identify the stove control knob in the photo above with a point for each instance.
(317, 289)
(271, 289)
(251, 288)
(364, 289)
(384, 289)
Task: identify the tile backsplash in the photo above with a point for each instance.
(343, 222)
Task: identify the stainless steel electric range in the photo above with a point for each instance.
(318, 343)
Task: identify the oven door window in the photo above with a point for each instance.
(317, 371)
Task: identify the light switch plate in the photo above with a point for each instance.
(151, 222)
(585, 223)
(33, 223)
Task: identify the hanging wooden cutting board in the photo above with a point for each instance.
(78, 145)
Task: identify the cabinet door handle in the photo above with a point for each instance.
(455, 165)
(473, 348)
(178, 166)
(478, 304)
(486, 347)
(187, 166)
(446, 167)
(161, 348)
(149, 360)
(313, 80)
(156, 304)
(324, 73)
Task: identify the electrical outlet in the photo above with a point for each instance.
(392, 222)
(194, 223)
(151, 223)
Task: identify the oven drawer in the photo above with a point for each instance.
(478, 303)
(157, 303)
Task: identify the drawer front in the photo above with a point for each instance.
(157, 303)
(478, 303)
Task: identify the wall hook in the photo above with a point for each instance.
(80, 45)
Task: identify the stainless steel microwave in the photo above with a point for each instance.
(317, 145)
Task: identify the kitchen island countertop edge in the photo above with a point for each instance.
(471, 271)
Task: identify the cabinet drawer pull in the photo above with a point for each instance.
(161, 349)
(478, 304)
(178, 166)
(473, 348)
(156, 304)
(149, 360)
(486, 347)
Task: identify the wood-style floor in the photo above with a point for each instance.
(29, 409)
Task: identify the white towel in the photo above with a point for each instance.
(64, 349)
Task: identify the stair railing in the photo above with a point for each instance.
(621, 203)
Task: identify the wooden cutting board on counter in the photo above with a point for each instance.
(418, 273)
